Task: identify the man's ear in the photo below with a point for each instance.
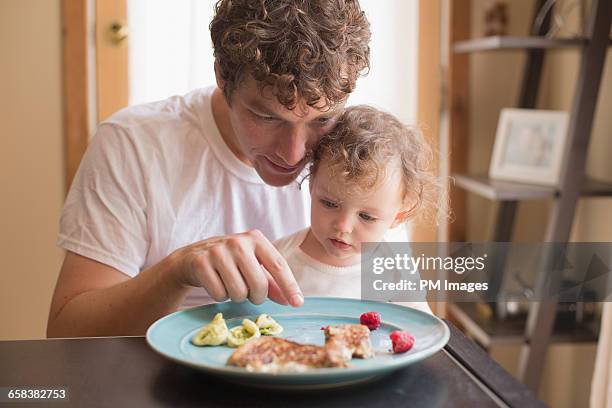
(400, 217)
(220, 81)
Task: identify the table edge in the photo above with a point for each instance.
(489, 372)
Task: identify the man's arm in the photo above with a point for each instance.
(93, 299)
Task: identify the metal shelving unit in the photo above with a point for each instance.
(537, 329)
(501, 190)
(489, 330)
(517, 43)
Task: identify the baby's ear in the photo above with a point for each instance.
(400, 217)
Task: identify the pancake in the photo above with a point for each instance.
(276, 355)
(355, 337)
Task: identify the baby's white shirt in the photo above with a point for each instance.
(319, 279)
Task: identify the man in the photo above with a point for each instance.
(188, 192)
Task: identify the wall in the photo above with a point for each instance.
(495, 80)
(563, 67)
(31, 163)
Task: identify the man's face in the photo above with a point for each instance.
(342, 219)
(270, 137)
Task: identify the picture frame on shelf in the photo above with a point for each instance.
(529, 146)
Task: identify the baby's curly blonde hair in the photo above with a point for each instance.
(367, 145)
(303, 50)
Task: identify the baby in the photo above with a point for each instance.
(368, 175)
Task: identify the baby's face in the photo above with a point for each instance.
(342, 219)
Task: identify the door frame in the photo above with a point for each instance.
(76, 83)
(94, 73)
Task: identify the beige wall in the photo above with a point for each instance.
(495, 80)
(594, 216)
(31, 163)
(494, 84)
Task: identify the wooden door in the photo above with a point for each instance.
(95, 71)
(112, 36)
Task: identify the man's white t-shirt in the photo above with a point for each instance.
(159, 176)
(319, 279)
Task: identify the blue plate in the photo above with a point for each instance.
(170, 336)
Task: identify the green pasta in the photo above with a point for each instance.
(214, 333)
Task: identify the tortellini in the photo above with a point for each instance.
(216, 332)
(213, 334)
(268, 326)
(241, 334)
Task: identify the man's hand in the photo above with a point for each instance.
(94, 299)
(238, 267)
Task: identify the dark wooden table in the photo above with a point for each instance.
(125, 372)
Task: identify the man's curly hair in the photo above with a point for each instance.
(301, 49)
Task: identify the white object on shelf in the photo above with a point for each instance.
(529, 146)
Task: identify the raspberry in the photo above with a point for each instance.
(402, 341)
(370, 319)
